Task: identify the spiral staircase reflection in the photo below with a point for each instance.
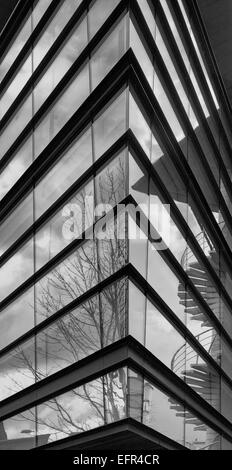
(186, 362)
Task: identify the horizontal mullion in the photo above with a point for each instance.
(188, 235)
(180, 111)
(97, 289)
(170, 315)
(172, 147)
(126, 352)
(201, 33)
(51, 211)
(27, 48)
(44, 64)
(195, 192)
(110, 85)
(20, 12)
(194, 60)
(75, 67)
(191, 92)
(58, 383)
(52, 263)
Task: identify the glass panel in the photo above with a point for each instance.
(18, 43)
(166, 283)
(226, 358)
(65, 12)
(18, 432)
(146, 11)
(136, 398)
(143, 58)
(139, 126)
(62, 110)
(110, 183)
(175, 78)
(16, 223)
(158, 329)
(69, 339)
(163, 413)
(23, 35)
(77, 159)
(68, 224)
(115, 395)
(17, 318)
(198, 435)
(61, 64)
(112, 245)
(114, 307)
(108, 54)
(184, 55)
(15, 168)
(16, 125)
(137, 247)
(198, 53)
(73, 412)
(225, 444)
(226, 400)
(17, 369)
(137, 305)
(110, 125)
(71, 278)
(16, 270)
(16, 86)
(98, 13)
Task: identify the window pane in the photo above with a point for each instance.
(113, 301)
(73, 412)
(18, 432)
(15, 271)
(66, 225)
(16, 167)
(69, 339)
(137, 304)
(16, 224)
(77, 159)
(61, 64)
(17, 318)
(17, 369)
(71, 278)
(108, 54)
(62, 110)
(110, 125)
(115, 394)
(98, 13)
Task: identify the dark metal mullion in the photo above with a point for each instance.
(44, 64)
(182, 276)
(21, 11)
(76, 67)
(182, 225)
(196, 248)
(180, 111)
(25, 51)
(184, 33)
(150, 293)
(172, 147)
(201, 34)
(109, 86)
(126, 352)
(51, 211)
(52, 263)
(95, 290)
(191, 92)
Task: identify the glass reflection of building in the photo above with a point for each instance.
(106, 102)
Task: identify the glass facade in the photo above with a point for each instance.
(115, 226)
